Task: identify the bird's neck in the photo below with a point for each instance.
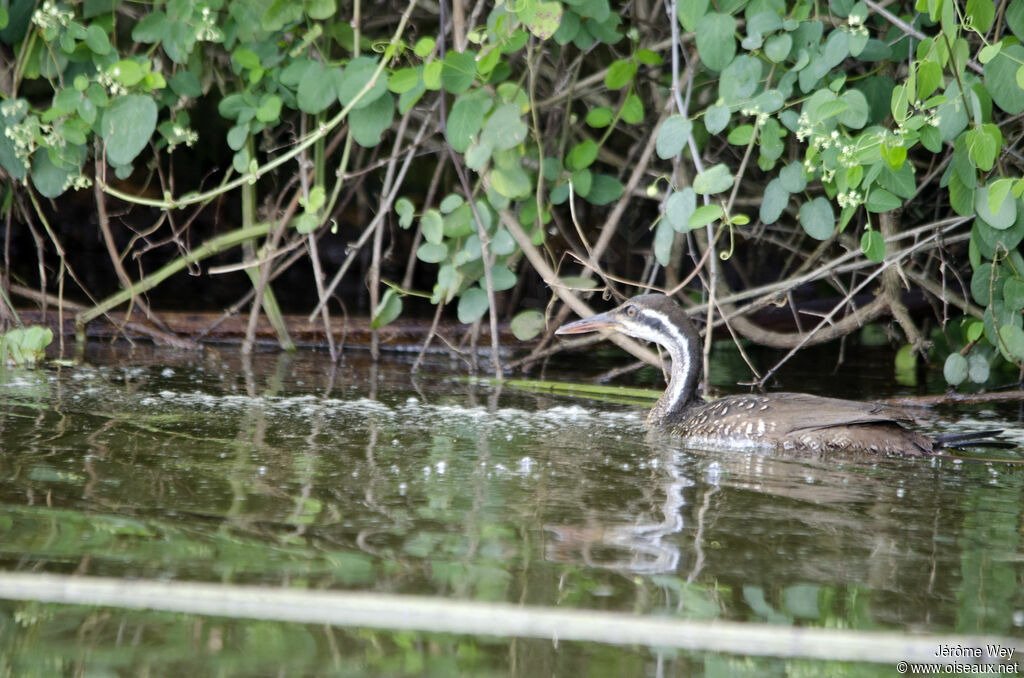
(681, 393)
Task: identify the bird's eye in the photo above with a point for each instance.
(631, 311)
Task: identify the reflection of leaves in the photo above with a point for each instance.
(696, 601)
(482, 581)
(988, 585)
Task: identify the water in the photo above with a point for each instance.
(146, 464)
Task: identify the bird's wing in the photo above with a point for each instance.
(793, 412)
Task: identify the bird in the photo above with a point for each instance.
(776, 422)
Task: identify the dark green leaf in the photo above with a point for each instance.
(983, 146)
(582, 155)
(432, 253)
(873, 245)
(741, 136)
(777, 47)
(10, 161)
(465, 120)
(403, 80)
(459, 223)
(690, 12)
(978, 368)
(817, 218)
(664, 234)
(281, 13)
(151, 28)
(269, 109)
(1001, 79)
(390, 308)
(985, 284)
(595, 9)
(128, 124)
(472, 305)
(792, 177)
(49, 179)
(963, 166)
(504, 128)
(716, 40)
(989, 240)
(704, 215)
(672, 136)
(578, 282)
(451, 202)
(1011, 342)
(527, 324)
(619, 74)
(357, 75)
(998, 315)
(981, 13)
(881, 200)
(632, 110)
(716, 118)
(581, 181)
(320, 9)
(599, 117)
(432, 226)
(776, 197)
(679, 207)
(856, 114)
(604, 189)
(541, 18)
(404, 208)
(1006, 215)
(713, 180)
(96, 39)
(740, 80)
(502, 278)
(316, 89)
(237, 135)
(477, 156)
(1013, 293)
(511, 182)
(900, 182)
(955, 369)
(458, 71)
(369, 122)
(503, 243)
(126, 72)
(1015, 17)
(185, 84)
(568, 29)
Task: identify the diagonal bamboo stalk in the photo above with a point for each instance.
(438, 615)
(207, 249)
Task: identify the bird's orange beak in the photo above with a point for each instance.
(601, 321)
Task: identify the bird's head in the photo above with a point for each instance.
(651, 317)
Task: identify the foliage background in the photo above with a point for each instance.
(495, 157)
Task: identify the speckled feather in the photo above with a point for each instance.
(798, 422)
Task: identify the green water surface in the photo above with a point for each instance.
(288, 471)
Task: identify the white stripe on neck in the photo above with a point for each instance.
(676, 386)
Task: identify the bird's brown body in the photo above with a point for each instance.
(791, 422)
(798, 422)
